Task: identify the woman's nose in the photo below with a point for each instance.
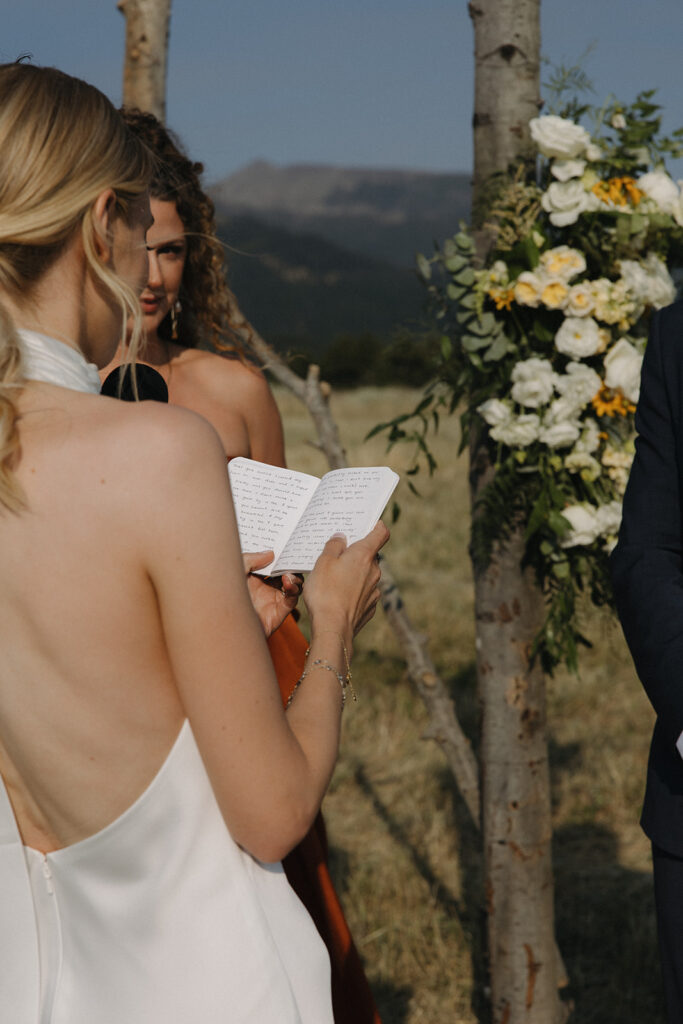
(154, 277)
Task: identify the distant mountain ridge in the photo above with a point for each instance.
(301, 291)
(387, 214)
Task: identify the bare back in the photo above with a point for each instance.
(88, 704)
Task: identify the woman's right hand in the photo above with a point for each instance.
(342, 592)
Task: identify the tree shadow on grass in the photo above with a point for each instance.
(605, 926)
(392, 1001)
(605, 923)
(469, 908)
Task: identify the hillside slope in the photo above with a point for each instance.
(386, 214)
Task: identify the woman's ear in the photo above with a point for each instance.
(103, 212)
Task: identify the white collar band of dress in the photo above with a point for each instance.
(53, 362)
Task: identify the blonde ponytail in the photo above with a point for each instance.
(62, 144)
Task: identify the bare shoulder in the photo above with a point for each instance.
(219, 375)
(153, 445)
(160, 424)
(234, 397)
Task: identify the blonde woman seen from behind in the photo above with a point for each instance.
(151, 781)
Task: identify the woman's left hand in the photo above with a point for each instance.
(273, 597)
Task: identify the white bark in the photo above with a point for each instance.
(526, 969)
(144, 70)
(507, 43)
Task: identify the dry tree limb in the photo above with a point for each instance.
(444, 727)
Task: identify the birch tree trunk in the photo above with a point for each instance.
(525, 967)
(144, 69)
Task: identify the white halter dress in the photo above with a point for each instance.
(159, 918)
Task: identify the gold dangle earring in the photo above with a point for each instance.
(176, 308)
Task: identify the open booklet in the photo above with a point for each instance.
(295, 514)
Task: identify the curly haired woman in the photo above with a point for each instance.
(185, 303)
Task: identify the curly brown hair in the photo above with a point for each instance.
(208, 305)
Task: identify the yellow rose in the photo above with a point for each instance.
(527, 289)
(554, 294)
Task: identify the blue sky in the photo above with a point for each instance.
(376, 83)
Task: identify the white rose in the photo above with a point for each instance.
(590, 438)
(564, 201)
(528, 289)
(636, 279)
(494, 412)
(580, 301)
(563, 170)
(609, 517)
(559, 435)
(618, 121)
(534, 382)
(584, 524)
(649, 282)
(518, 432)
(558, 137)
(662, 290)
(563, 262)
(560, 411)
(661, 189)
(579, 337)
(623, 363)
(578, 385)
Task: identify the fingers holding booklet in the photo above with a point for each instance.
(295, 514)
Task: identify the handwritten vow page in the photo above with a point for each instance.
(296, 514)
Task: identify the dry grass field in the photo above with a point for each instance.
(404, 855)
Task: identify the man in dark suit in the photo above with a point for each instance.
(647, 572)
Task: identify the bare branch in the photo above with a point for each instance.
(444, 726)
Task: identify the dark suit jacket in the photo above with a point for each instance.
(647, 570)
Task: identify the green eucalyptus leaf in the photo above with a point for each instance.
(464, 242)
(424, 267)
(498, 349)
(465, 277)
(471, 343)
(456, 263)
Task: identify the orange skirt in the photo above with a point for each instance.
(307, 871)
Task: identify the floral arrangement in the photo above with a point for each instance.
(543, 342)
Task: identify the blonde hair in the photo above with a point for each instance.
(62, 144)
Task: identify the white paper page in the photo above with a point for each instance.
(268, 502)
(348, 501)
